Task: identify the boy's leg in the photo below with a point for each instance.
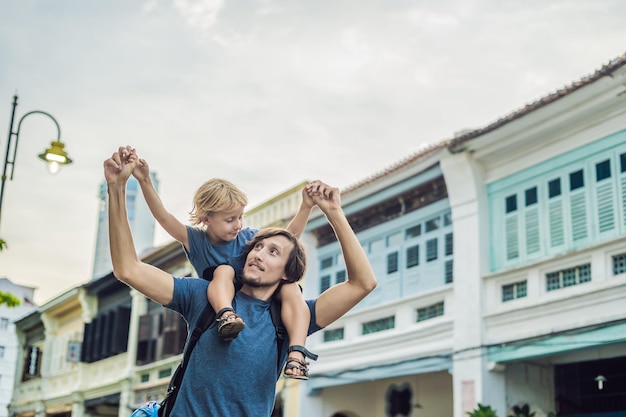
(296, 317)
(220, 293)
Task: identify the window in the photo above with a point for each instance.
(583, 203)
(392, 262)
(432, 224)
(4, 323)
(576, 180)
(531, 196)
(162, 333)
(332, 335)
(430, 312)
(448, 244)
(149, 325)
(568, 277)
(32, 363)
(431, 250)
(340, 276)
(326, 262)
(144, 378)
(603, 170)
(379, 325)
(510, 204)
(324, 283)
(449, 271)
(412, 256)
(619, 264)
(173, 333)
(414, 231)
(447, 219)
(513, 291)
(165, 373)
(1, 352)
(554, 188)
(106, 335)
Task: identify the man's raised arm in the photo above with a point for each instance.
(340, 298)
(147, 279)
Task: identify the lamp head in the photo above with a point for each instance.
(55, 156)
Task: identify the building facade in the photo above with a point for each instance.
(505, 287)
(501, 261)
(9, 345)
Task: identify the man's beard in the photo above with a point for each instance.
(254, 283)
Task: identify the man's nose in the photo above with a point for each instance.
(259, 254)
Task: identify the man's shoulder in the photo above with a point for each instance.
(188, 286)
(189, 294)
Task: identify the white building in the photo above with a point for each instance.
(9, 346)
(501, 261)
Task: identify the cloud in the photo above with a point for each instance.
(199, 14)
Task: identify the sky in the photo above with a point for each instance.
(265, 93)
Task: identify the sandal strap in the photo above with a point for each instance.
(220, 313)
(303, 350)
(301, 365)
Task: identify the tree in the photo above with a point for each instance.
(482, 411)
(8, 299)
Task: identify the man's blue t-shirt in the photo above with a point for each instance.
(236, 378)
(203, 254)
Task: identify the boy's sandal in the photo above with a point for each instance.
(229, 324)
(301, 365)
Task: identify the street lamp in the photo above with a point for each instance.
(55, 155)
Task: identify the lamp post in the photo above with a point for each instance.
(55, 156)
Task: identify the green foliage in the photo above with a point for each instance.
(3, 245)
(8, 299)
(482, 411)
(522, 411)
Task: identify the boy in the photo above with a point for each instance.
(218, 207)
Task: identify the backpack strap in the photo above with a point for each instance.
(207, 317)
(281, 331)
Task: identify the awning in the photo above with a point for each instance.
(561, 343)
(412, 367)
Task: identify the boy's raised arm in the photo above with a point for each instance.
(340, 298)
(167, 220)
(299, 221)
(147, 279)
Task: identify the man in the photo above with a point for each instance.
(236, 378)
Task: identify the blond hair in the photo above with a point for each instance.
(213, 196)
